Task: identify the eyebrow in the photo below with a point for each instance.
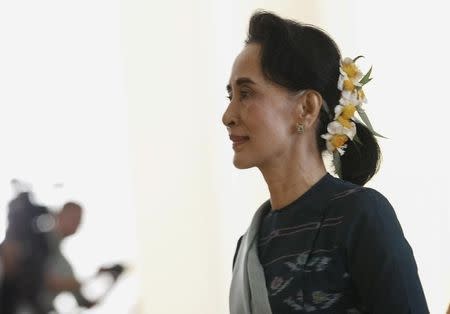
(241, 81)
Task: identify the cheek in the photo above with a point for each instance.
(266, 121)
(256, 115)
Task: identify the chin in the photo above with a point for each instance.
(242, 164)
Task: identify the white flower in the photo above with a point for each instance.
(338, 110)
(349, 97)
(328, 137)
(343, 127)
(341, 80)
(361, 96)
(350, 70)
(335, 127)
(341, 150)
(330, 146)
(347, 60)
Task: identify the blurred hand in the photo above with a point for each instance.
(87, 304)
(83, 302)
(115, 270)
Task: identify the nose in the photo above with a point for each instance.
(229, 118)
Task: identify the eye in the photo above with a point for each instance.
(243, 94)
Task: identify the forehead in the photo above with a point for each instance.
(247, 64)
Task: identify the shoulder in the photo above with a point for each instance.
(365, 207)
(379, 258)
(362, 201)
(371, 219)
(369, 202)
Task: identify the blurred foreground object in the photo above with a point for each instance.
(9, 254)
(24, 253)
(59, 275)
(101, 284)
(33, 269)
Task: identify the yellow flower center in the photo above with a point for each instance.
(351, 69)
(345, 122)
(348, 85)
(338, 140)
(361, 94)
(348, 111)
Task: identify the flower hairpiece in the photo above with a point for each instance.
(343, 128)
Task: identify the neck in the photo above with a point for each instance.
(289, 178)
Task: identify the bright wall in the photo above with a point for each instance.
(122, 102)
(193, 205)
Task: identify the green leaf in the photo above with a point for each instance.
(379, 135)
(358, 57)
(368, 125)
(366, 79)
(364, 117)
(337, 163)
(357, 140)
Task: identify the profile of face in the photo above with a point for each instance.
(69, 220)
(261, 116)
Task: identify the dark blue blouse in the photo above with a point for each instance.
(338, 248)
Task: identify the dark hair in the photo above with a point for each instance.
(300, 56)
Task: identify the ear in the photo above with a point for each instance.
(308, 107)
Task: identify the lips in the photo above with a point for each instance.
(238, 140)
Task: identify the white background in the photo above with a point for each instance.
(122, 102)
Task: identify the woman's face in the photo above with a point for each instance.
(261, 115)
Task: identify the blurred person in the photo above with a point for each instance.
(58, 274)
(9, 257)
(320, 244)
(10, 264)
(24, 252)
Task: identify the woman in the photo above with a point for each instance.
(321, 244)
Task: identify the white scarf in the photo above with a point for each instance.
(248, 292)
